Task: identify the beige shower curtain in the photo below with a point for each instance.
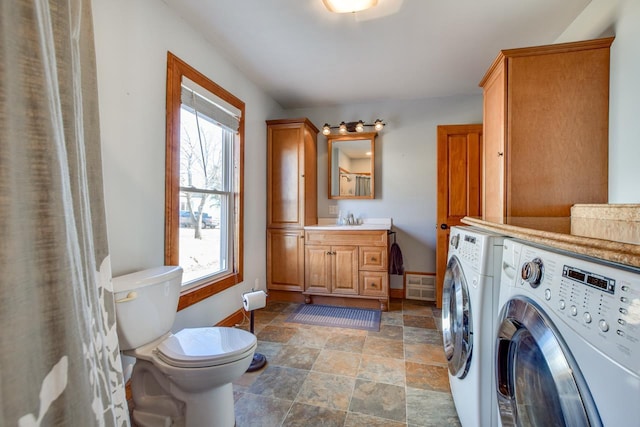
(59, 358)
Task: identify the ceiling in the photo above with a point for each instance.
(304, 56)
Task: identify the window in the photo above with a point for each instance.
(203, 186)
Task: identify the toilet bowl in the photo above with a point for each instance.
(182, 378)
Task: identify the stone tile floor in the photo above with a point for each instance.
(322, 376)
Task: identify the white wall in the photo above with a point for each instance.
(619, 18)
(132, 39)
(405, 175)
(624, 126)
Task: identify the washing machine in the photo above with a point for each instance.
(469, 316)
(568, 340)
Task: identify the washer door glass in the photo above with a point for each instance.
(457, 328)
(538, 381)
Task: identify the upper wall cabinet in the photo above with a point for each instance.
(546, 115)
(351, 160)
(291, 173)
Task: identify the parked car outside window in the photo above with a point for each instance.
(207, 221)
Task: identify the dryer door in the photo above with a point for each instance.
(457, 328)
(538, 382)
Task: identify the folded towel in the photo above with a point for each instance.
(395, 260)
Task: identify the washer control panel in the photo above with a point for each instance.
(598, 301)
(466, 246)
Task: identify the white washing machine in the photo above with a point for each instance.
(568, 340)
(469, 315)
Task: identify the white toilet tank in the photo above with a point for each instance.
(146, 304)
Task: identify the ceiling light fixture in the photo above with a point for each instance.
(346, 6)
(353, 127)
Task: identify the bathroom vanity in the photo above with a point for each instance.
(347, 264)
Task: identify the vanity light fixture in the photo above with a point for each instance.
(350, 127)
(346, 6)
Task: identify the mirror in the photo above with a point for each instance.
(351, 161)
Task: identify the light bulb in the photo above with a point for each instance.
(345, 6)
(326, 129)
(378, 124)
(360, 126)
(343, 127)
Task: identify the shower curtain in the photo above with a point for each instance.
(363, 185)
(59, 357)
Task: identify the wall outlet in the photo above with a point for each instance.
(333, 209)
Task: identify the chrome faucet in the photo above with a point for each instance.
(350, 219)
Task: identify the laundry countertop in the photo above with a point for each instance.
(556, 233)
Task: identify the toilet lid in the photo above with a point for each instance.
(200, 347)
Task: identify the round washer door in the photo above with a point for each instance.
(457, 327)
(538, 382)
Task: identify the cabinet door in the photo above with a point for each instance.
(493, 206)
(374, 283)
(285, 163)
(344, 270)
(318, 269)
(373, 258)
(285, 260)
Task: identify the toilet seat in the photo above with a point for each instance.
(203, 347)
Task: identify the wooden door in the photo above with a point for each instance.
(459, 186)
(344, 270)
(317, 272)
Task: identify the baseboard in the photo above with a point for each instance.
(232, 320)
(285, 296)
(396, 293)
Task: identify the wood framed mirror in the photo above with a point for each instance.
(351, 160)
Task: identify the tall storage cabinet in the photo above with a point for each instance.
(546, 129)
(292, 201)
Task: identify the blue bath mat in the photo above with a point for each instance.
(341, 317)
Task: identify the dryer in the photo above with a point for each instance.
(469, 314)
(568, 340)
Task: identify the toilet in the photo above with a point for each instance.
(182, 378)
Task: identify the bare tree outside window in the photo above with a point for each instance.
(200, 167)
(204, 193)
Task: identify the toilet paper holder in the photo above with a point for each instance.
(252, 301)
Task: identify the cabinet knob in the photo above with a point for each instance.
(373, 285)
(500, 154)
(373, 259)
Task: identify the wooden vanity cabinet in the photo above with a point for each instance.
(546, 129)
(349, 267)
(292, 200)
(331, 269)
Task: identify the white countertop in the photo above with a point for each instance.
(367, 224)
